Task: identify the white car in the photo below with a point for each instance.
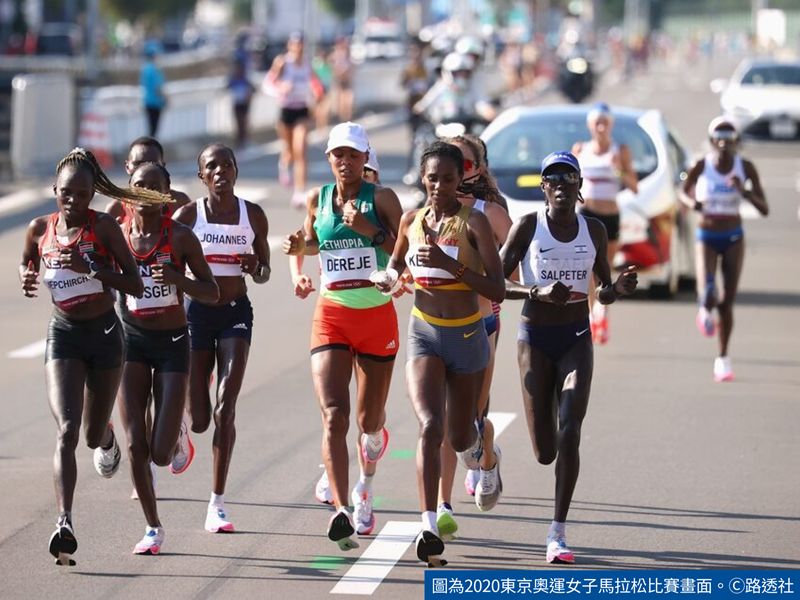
(763, 98)
(656, 233)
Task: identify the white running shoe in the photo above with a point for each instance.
(471, 456)
(373, 445)
(430, 548)
(62, 542)
(490, 485)
(217, 520)
(722, 369)
(362, 511)
(184, 450)
(323, 490)
(705, 322)
(106, 461)
(471, 481)
(558, 552)
(340, 528)
(151, 542)
(153, 471)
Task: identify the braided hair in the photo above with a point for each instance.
(484, 186)
(80, 157)
(441, 149)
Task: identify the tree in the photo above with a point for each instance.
(153, 11)
(344, 9)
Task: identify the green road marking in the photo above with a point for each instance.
(403, 454)
(327, 563)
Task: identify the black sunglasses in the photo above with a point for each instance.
(724, 134)
(554, 179)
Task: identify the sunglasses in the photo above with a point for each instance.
(469, 164)
(724, 134)
(554, 179)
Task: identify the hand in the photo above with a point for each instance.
(405, 280)
(303, 286)
(555, 293)
(294, 243)
(736, 183)
(431, 255)
(386, 281)
(248, 263)
(70, 259)
(30, 280)
(164, 274)
(625, 284)
(355, 220)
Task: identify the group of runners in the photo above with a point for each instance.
(177, 269)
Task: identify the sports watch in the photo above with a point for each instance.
(94, 269)
(379, 238)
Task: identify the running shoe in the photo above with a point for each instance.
(340, 528)
(470, 457)
(705, 322)
(153, 471)
(490, 485)
(471, 480)
(430, 548)
(362, 511)
(445, 522)
(63, 542)
(217, 520)
(373, 445)
(184, 450)
(323, 490)
(151, 542)
(284, 174)
(298, 199)
(722, 369)
(558, 552)
(106, 461)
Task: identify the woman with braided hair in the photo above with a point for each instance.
(85, 256)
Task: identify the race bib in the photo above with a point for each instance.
(347, 268)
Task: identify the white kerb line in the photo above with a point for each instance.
(30, 351)
(380, 557)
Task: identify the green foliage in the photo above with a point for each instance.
(343, 9)
(147, 11)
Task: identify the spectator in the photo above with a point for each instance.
(342, 68)
(242, 92)
(152, 82)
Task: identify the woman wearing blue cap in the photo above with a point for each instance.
(606, 167)
(557, 251)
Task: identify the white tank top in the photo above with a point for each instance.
(300, 76)
(222, 244)
(600, 178)
(548, 260)
(714, 191)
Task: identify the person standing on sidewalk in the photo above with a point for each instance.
(152, 83)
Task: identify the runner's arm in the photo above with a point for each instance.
(513, 252)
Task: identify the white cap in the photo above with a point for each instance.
(718, 122)
(350, 135)
(458, 62)
(372, 161)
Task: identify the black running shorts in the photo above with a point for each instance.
(97, 342)
(163, 350)
(209, 324)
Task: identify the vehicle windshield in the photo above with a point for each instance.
(772, 75)
(521, 146)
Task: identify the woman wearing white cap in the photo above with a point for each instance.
(557, 251)
(715, 187)
(352, 225)
(606, 167)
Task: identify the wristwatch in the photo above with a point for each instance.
(94, 269)
(379, 238)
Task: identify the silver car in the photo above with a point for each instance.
(656, 233)
(763, 98)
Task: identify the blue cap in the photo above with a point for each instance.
(564, 158)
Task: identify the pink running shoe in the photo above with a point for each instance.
(471, 480)
(705, 322)
(373, 445)
(558, 552)
(151, 542)
(284, 174)
(184, 450)
(722, 369)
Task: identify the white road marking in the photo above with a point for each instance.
(30, 351)
(379, 558)
(382, 554)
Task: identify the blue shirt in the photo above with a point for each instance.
(151, 80)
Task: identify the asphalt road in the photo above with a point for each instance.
(677, 471)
